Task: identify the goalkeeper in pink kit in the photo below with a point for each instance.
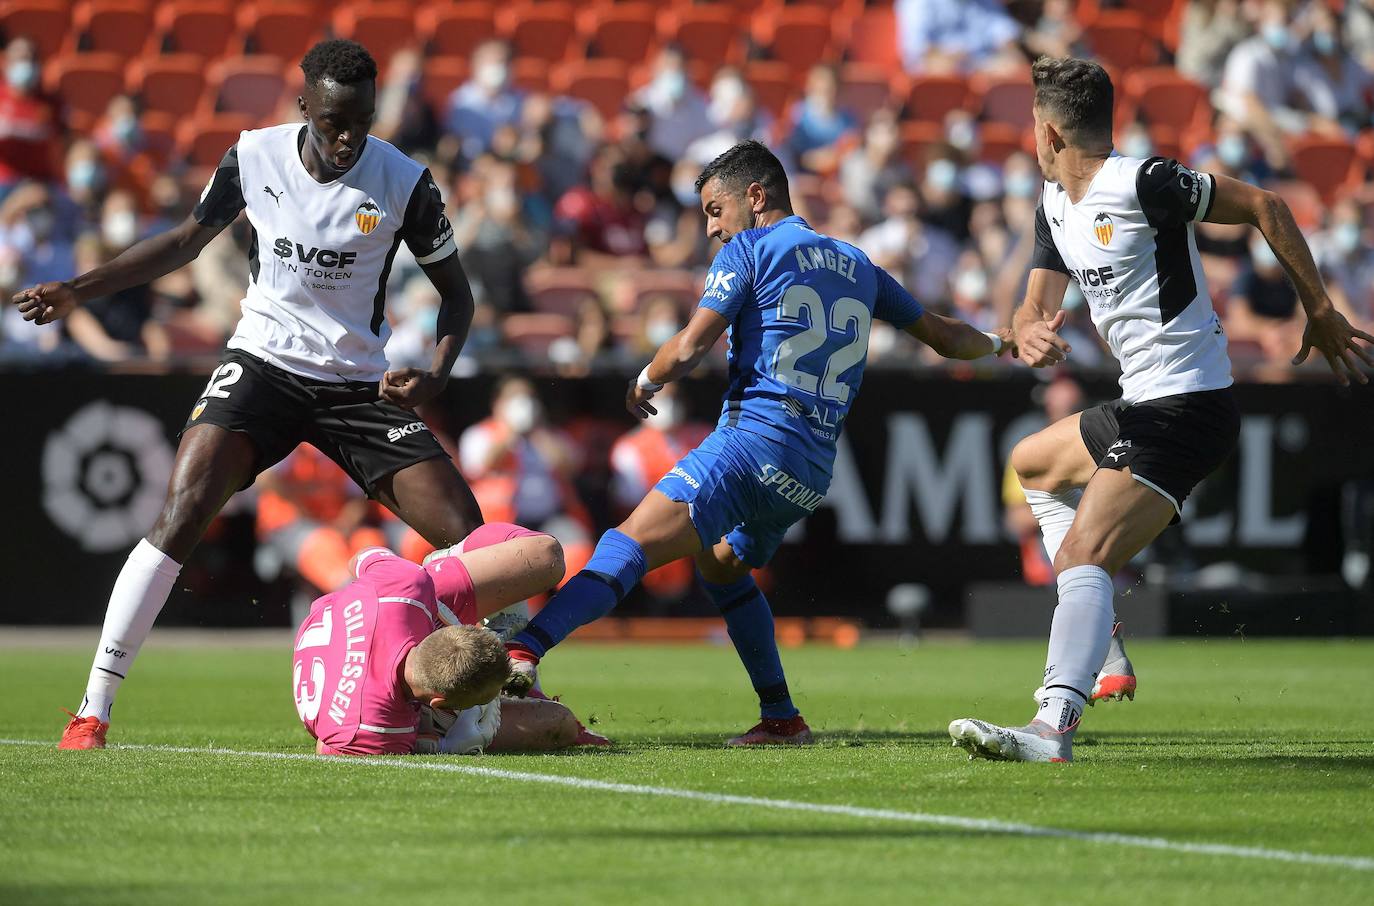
(395, 663)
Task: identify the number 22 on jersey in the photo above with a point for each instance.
(826, 329)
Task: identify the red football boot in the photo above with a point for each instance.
(84, 733)
(775, 731)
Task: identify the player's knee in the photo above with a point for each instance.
(1080, 550)
(1029, 463)
(546, 558)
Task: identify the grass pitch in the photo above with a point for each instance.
(1247, 744)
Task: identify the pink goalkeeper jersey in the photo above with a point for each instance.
(350, 652)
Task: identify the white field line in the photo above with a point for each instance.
(977, 825)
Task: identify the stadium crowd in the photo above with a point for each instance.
(568, 167)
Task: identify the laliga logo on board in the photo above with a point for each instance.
(1103, 228)
(368, 216)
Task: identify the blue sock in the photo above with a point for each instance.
(750, 623)
(616, 566)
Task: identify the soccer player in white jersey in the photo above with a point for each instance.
(1104, 483)
(328, 206)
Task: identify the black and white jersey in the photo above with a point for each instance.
(1129, 245)
(322, 252)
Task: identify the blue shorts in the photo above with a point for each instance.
(746, 489)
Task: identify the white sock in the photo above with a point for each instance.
(1055, 514)
(1079, 637)
(138, 596)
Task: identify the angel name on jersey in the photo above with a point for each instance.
(321, 264)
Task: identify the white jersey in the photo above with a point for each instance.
(1129, 245)
(322, 252)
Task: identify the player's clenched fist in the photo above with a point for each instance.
(1039, 343)
(46, 302)
(410, 387)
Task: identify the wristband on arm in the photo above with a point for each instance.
(643, 382)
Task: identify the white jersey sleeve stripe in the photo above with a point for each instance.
(439, 254)
(1204, 202)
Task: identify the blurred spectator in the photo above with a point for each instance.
(87, 179)
(591, 343)
(1056, 33)
(660, 318)
(485, 102)
(868, 171)
(220, 277)
(29, 124)
(1210, 29)
(736, 116)
(843, 223)
(414, 319)
(969, 292)
(938, 36)
(402, 116)
(1333, 84)
(558, 137)
(521, 470)
(1263, 306)
(117, 327)
(600, 221)
(1135, 141)
(943, 202)
(1358, 31)
(918, 256)
(118, 134)
(676, 108)
(495, 246)
(1347, 261)
(821, 131)
(642, 456)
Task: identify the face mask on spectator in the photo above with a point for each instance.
(668, 417)
(491, 76)
(1324, 43)
(685, 193)
(21, 74)
(1347, 237)
(962, 134)
(1232, 150)
(520, 413)
(83, 175)
(1138, 145)
(1262, 255)
(660, 332)
(943, 174)
(125, 130)
(1020, 185)
(972, 284)
(120, 229)
(672, 83)
(1275, 35)
(724, 94)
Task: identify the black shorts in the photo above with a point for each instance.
(1170, 443)
(368, 437)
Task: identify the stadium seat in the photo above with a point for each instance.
(998, 141)
(168, 83)
(559, 290)
(538, 30)
(110, 26)
(1005, 99)
(203, 27)
(159, 133)
(1365, 146)
(865, 88)
(917, 138)
(1303, 201)
(773, 84)
(601, 83)
(455, 30)
(682, 285)
(1119, 39)
(246, 85)
(533, 334)
(530, 74)
(385, 27)
(872, 38)
(1159, 96)
(442, 75)
(279, 29)
(1328, 165)
(800, 36)
(201, 142)
(933, 96)
(625, 31)
(707, 34)
(1155, 14)
(85, 83)
(44, 22)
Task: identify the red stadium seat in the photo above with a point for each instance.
(1159, 96)
(1155, 13)
(539, 30)
(865, 88)
(872, 38)
(159, 133)
(559, 290)
(800, 36)
(1119, 39)
(201, 142)
(169, 83)
(251, 86)
(203, 27)
(1328, 165)
(85, 83)
(442, 75)
(530, 74)
(285, 30)
(773, 84)
(933, 96)
(707, 34)
(1303, 201)
(111, 26)
(623, 32)
(383, 27)
(44, 22)
(682, 285)
(998, 141)
(917, 139)
(601, 83)
(533, 334)
(1005, 99)
(456, 30)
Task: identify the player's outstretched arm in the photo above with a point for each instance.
(1327, 329)
(410, 387)
(675, 359)
(955, 339)
(1036, 323)
(141, 263)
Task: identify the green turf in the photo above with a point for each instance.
(1266, 744)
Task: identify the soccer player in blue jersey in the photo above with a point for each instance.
(798, 306)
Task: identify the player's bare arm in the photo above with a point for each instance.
(1036, 323)
(955, 339)
(141, 263)
(411, 387)
(675, 359)
(1327, 329)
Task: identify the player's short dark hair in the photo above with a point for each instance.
(1077, 95)
(749, 162)
(344, 62)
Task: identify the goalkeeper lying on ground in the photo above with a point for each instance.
(394, 663)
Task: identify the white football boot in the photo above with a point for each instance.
(1037, 741)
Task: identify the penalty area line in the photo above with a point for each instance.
(975, 825)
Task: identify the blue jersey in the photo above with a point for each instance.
(800, 306)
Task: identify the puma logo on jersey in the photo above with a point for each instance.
(1055, 221)
(1124, 445)
(276, 196)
